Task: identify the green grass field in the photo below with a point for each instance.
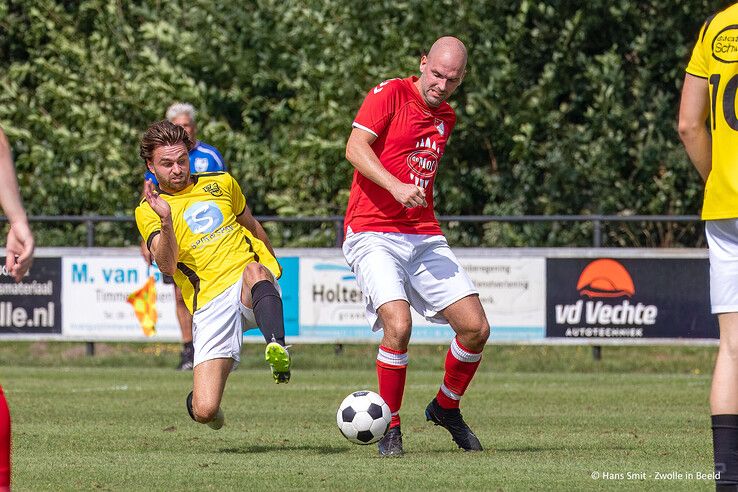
(549, 418)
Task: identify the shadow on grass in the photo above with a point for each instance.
(268, 448)
(529, 449)
(544, 449)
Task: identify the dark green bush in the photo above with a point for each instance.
(569, 107)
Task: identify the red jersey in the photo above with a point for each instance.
(411, 138)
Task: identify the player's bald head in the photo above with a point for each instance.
(449, 50)
(441, 70)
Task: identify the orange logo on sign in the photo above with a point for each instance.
(605, 278)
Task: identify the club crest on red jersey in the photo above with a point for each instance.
(423, 162)
(439, 126)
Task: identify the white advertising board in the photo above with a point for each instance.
(513, 295)
(512, 291)
(322, 302)
(94, 293)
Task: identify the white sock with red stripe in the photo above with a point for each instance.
(391, 372)
(461, 365)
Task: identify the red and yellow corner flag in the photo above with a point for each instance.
(144, 305)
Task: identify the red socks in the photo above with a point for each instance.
(391, 372)
(461, 364)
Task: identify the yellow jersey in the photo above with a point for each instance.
(213, 247)
(715, 58)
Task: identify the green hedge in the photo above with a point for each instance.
(569, 107)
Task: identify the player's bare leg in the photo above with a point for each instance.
(466, 317)
(468, 320)
(209, 382)
(724, 399)
(392, 368)
(397, 323)
(260, 294)
(724, 393)
(184, 317)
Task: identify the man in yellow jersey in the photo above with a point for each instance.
(203, 158)
(201, 232)
(708, 127)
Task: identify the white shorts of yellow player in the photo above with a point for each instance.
(418, 268)
(218, 326)
(722, 237)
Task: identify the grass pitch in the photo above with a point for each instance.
(118, 422)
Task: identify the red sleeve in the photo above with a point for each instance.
(378, 107)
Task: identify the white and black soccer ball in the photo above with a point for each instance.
(363, 417)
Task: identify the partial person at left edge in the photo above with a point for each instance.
(20, 244)
(19, 256)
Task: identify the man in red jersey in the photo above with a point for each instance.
(394, 244)
(19, 256)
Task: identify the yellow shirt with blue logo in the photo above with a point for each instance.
(715, 58)
(213, 247)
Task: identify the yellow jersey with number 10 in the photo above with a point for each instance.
(715, 58)
(213, 247)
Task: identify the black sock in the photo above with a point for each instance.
(188, 402)
(187, 346)
(268, 311)
(725, 446)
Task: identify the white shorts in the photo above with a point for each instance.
(722, 237)
(417, 268)
(217, 327)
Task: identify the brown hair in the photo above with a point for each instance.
(160, 134)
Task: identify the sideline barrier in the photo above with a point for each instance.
(531, 296)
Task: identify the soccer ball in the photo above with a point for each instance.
(363, 417)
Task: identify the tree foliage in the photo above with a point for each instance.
(568, 107)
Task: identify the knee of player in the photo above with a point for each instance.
(400, 327)
(204, 411)
(254, 272)
(729, 346)
(397, 333)
(479, 334)
(484, 331)
(401, 339)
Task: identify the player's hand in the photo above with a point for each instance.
(20, 246)
(409, 195)
(158, 204)
(147, 256)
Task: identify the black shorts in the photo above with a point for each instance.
(167, 279)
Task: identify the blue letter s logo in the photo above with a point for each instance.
(203, 217)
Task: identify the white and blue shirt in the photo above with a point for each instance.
(203, 158)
